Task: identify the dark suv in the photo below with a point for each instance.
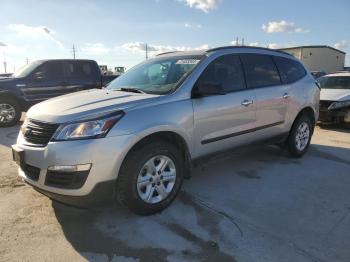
(45, 79)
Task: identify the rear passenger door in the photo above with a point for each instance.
(271, 95)
(223, 121)
(82, 75)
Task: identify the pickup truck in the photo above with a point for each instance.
(44, 79)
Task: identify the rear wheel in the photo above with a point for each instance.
(10, 112)
(150, 177)
(300, 136)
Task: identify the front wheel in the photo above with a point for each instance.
(300, 136)
(150, 177)
(10, 112)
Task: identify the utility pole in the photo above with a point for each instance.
(146, 49)
(27, 61)
(237, 41)
(74, 51)
(5, 64)
(243, 41)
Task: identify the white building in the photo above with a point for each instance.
(319, 57)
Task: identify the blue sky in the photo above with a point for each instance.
(114, 32)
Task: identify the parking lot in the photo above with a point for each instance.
(251, 204)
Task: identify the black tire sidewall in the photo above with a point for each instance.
(127, 179)
(18, 111)
(294, 151)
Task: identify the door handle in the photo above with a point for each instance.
(286, 95)
(246, 102)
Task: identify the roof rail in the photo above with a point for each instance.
(169, 52)
(250, 47)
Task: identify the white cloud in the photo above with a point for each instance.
(342, 44)
(189, 25)
(95, 49)
(283, 26)
(32, 42)
(32, 32)
(204, 5)
(254, 44)
(140, 47)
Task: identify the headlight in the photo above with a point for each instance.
(87, 129)
(339, 104)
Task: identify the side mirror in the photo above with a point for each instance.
(208, 89)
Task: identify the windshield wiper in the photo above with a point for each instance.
(130, 89)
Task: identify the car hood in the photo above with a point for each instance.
(83, 104)
(335, 94)
(6, 81)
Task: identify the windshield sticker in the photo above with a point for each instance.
(187, 62)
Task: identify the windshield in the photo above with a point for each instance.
(27, 69)
(157, 76)
(335, 82)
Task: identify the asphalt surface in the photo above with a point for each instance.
(250, 204)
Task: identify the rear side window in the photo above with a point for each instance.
(81, 70)
(290, 70)
(225, 70)
(260, 70)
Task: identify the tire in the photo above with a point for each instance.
(137, 167)
(9, 104)
(296, 144)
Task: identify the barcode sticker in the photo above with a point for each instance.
(187, 62)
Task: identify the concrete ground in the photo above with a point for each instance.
(251, 204)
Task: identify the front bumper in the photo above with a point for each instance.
(105, 156)
(335, 116)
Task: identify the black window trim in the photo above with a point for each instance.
(289, 83)
(282, 83)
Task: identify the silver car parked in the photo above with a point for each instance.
(135, 140)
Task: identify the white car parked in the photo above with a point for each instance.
(335, 98)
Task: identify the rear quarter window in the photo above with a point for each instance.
(290, 70)
(260, 70)
(81, 69)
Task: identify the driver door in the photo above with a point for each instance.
(47, 81)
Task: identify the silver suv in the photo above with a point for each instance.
(134, 141)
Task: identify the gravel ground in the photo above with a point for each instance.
(251, 204)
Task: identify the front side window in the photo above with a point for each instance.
(290, 70)
(225, 71)
(260, 70)
(158, 75)
(335, 82)
(51, 70)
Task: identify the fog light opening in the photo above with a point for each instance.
(74, 168)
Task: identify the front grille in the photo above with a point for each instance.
(68, 180)
(38, 133)
(31, 172)
(324, 104)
